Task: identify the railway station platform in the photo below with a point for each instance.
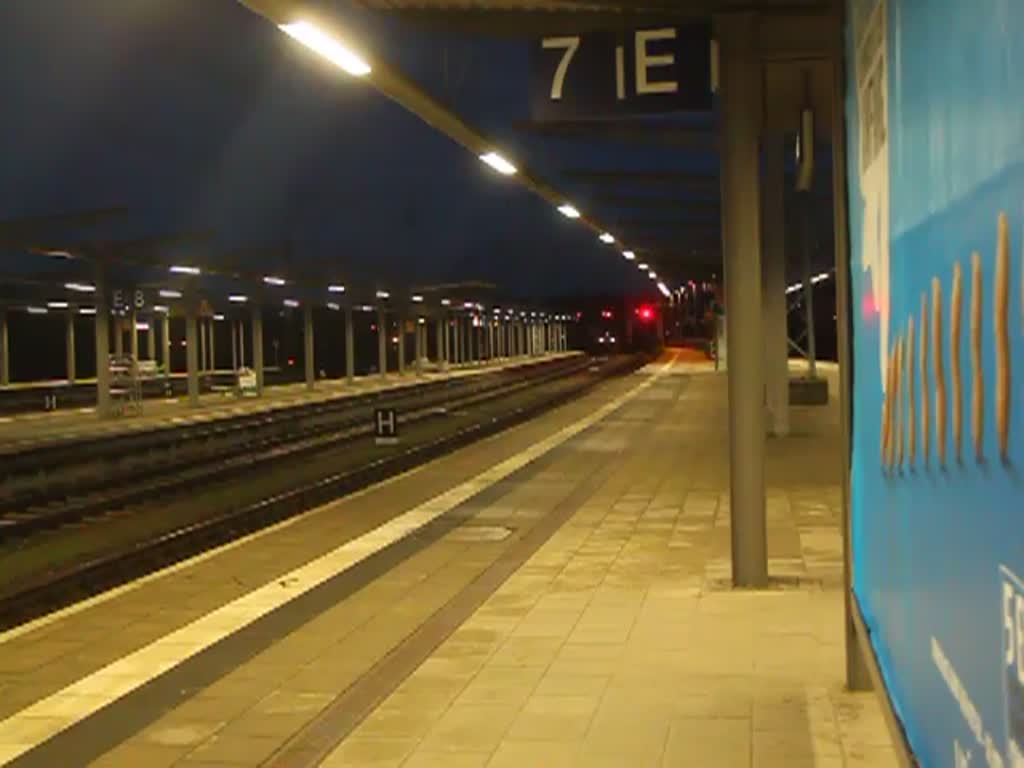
(556, 595)
(27, 430)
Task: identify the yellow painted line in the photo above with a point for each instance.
(43, 720)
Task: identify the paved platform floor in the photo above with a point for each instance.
(555, 596)
(18, 432)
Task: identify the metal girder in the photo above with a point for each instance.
(403, 91)
(697, 137)
(680, 180)
(652, 203)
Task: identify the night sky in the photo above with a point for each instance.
(199, 115)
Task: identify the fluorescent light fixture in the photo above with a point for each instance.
(271, 280)
(653, 275)
(606, 237)
(218, 317)
(664, 290)
(629, 255)
(332, 306)
(57, 304)
(468, 305)
(144, 326)
(446, 302)
(421, 320)
(36, 310)
(499, 163)
(80, 287)
(237, 298)
(335, 288)
(569, 211)
(183, 270)
(642, 267)
(87, 310)
(496, 310)
(315, 38)
(167, 293)
(417, 299)
(366, 308)
(383, 295)
(291, 303)
(794, 288)
(820, 276)
(159, 308)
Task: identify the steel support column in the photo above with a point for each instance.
(858, 677)
(741, 247)
(102, 332)
(165, 321)
(192, 350)
(308, 347)
(421, 332)
(350, 345)
(69, 346)
(5, 351)
(151, 339)
(401, 345)
(382, 342)
(257, 346)
(773, 286)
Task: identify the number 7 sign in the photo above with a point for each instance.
(599, 75)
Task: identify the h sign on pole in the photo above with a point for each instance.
(385, 426)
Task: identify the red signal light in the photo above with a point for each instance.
(645, 312)
(606, 314)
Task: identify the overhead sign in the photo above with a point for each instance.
(385, 426)
(626, 72)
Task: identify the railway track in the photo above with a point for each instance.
(151, 496)
(63, 484)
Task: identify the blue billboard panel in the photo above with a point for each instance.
(935, 119)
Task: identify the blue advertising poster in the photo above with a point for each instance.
(935, 119)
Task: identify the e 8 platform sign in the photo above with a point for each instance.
(658, 68)
(935, 119)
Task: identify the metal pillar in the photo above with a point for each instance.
(192, 351)
(213, 344)
(805, 245)
(308, 349)
(151, 339)
(401, 345)
(441, 360)
(166, 322)
(102, 326)
(350, 345)
(202, 343)
(118, 336)
(773, 287)
(457, 340)
(257, 346)
(382, 342)
(857, 676)
(133, 335)
(5, 351)
(69, 345)
(741, 247)
(421, 332)
(234, 345)
(241, 341)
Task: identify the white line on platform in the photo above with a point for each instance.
(43, 720)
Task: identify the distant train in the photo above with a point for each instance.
(620, 330)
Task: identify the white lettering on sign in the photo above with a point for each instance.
(386, 426)
(644, 61)
(571, 44)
